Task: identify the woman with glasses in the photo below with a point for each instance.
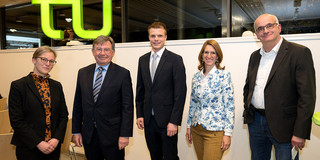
(38, 111)
(211, 112)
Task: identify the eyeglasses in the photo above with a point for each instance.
(207, 52)
(105, 50)
(268, 27)
(45, 60)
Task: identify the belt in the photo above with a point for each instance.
(260, 111)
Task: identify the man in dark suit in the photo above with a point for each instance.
(279, 94)
(38, 111)
(160, 96)
(103, 105)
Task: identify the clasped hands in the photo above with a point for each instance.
(48, 147)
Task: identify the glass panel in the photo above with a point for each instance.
(24, 21)
(295, 16)
(185, 19)
(92, 20)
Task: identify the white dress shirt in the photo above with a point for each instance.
(266, 62)
(159, 53)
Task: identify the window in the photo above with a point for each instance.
(295, 16)
(185, 19)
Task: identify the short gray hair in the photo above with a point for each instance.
(102, 39)
(275, 17)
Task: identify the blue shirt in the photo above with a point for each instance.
(104, 72)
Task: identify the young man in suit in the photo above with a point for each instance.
(279, 94)
(103, 105)
(160, 96)
(38, 111)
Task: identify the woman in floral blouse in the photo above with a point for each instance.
(211, 112)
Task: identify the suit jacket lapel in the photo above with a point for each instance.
(33, 88)
(53, 93)
(256, 61)
(89, 77)
(108, 76)
(280, 55)
(145, 64)
(107, 79)
(160, 65)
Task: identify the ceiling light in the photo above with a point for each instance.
(68, 19)
(61, 14)
(12, 30)
(117, 4)
(19, 21)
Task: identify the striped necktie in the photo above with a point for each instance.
(97, 84)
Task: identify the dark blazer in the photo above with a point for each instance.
(290, 92)
(166, 94)
(113, 111)
(27, 113)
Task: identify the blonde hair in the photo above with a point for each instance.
(43, 49)
(158, 25)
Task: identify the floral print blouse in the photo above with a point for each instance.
(212, 103)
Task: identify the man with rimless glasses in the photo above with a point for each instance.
(38, 111)
(279, 93)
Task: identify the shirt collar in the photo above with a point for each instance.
(159, 53)
(211, 72)
(105, 67)
(40, 77)
(274, 50)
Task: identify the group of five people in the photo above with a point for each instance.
(279, 100)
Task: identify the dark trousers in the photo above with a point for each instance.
(24, 153)
(96, 151)
(161, 147)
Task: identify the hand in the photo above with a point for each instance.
(298, 142)
(226, 142)
(45, 147)
(140, 123)
(123, 142)
(188, 135)
(77, 140)
(53, 142)
(171, 129)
